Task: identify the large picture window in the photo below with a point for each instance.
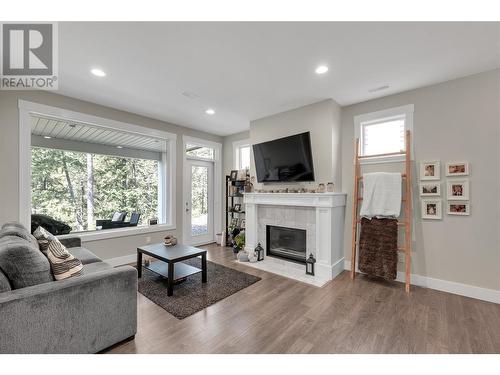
(79, 188)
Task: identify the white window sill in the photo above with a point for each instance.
(104, 234)
(383, 159)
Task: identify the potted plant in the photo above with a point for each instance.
(239, 242)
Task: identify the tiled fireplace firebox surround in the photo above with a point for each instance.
(320, 214)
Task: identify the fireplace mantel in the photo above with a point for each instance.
(328, 217)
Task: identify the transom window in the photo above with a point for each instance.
(200, 152)
(383, 133)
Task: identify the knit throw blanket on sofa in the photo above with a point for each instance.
(378, 247)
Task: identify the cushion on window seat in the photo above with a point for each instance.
(84, 255)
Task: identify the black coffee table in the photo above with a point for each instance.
(170, 257)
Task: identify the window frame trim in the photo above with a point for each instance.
(168, 163)
(405, 111)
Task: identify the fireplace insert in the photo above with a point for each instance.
(286, 243)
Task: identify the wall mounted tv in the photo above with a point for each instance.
(286, 159)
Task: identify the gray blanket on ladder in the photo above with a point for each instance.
(378, 247)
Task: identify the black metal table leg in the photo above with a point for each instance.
(139, 264)
(170, 280)
(204, 268)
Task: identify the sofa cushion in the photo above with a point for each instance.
(22, 263)
(14, 228)
(84, 255)
(4, 283)
(95, 267)
(64, 265)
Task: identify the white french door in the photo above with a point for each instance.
(199, 202)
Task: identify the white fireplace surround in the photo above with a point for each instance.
(320, 214)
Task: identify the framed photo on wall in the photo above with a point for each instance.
(432, 209)
(458, 208)
(430, 170)
(457, 189)
(457, 168)
(430, 189)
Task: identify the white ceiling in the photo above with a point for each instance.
(247, 71)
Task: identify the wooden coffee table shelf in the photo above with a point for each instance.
(181, 270)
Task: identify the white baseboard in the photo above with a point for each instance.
(465, 290)
(120, 261)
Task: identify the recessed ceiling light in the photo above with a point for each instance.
(119, 146)
(210, 111)
(98, 72)
(322, 69)
(46, 137)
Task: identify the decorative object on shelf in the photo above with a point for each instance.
(146, 263)
(234, 175)
(329, 187)
(259, 250)
(170, 240)
(457, 189)
(237, 207)
(242, 175)
(321, 188)
(431, 209)
(457, 168)
(430, 170)
(252, 257)
(458, 208)
(234, 222)
(242, 223)
(243, 256)
(430, 189)
(310, 265)
(153, 221)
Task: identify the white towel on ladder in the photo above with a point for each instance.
(381, 194)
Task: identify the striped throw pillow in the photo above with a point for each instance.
(63, 264)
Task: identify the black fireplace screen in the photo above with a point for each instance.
(287, 243)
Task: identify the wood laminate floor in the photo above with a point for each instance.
(280, 315)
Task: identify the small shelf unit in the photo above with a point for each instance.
(231, 200)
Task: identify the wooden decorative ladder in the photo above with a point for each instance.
(405, 222)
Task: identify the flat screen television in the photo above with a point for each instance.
(286, 159)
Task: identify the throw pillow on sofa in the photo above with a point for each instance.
(22, 263)
(14, 228)
(63, 264)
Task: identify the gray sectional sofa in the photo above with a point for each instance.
(82, 314)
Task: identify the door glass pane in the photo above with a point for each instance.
(199, 200)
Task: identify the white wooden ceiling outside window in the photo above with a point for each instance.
(80, 132)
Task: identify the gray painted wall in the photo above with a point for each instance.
(323, 120)
(455, 120)
(228, 165)
(9, 168)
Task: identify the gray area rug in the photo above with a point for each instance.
(192, 295)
